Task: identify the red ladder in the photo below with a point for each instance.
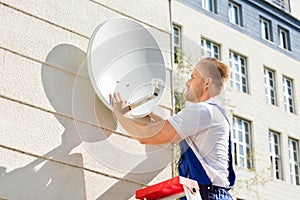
(171, 189)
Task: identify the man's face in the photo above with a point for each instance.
(195, 87)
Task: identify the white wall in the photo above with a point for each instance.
(257, 184)
(295, 8)
(57, 140)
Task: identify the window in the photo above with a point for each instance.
(265, 29)
(284, 39)
(176, 42)
(241, 140)
(288, 95)
(294, 161)
(238, 72)
(270, 89)
(274, 148)
(278, 2)
(210, 49)
(235, 13)
(210, 5)
(283, 4)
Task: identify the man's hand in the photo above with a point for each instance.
(160, 132)
(118, 104)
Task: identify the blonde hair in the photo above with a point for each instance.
(216, 70)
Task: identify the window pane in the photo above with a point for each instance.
(210, 49)
(209, 5)
(240, 136)
(276, 150)
(237, 68)
(235, 154)
(247, 139)
(238, 72)
(176, 42)
(234, 13)
(284, 39)
(246, 127)
(288, 95)
(176, 31)
(294, 146)
(265, 29)
(237, 77)
(243, 80)
(248, 158)
(274, 142)
(242, 144)
(273, 102)
(294, 161)
(275, 139)
(243, 69)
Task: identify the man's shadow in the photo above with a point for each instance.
(139, 167)
(69, 91)
(44, 178)
(144, 173)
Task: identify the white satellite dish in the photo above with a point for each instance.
(123, 56)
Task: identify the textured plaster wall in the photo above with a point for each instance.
(57, 139)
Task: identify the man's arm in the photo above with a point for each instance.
(166, 135)
(155, 117)
(159, 132)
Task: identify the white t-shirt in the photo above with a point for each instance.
(206, 131)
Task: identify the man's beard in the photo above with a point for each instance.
(190, 96)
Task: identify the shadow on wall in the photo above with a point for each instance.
(155, 159)
(70, 92)
(44, 179)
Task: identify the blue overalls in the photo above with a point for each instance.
(189, 166)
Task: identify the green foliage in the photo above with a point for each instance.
(183, 69)
(179, 101)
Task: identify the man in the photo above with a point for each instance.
(203, 128)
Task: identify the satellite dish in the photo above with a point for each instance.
(123, 56)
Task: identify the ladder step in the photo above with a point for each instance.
(171, 187)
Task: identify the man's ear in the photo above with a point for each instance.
(208, 81)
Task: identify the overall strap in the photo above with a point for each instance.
(222, 111)
(231, 176)
(189, 165)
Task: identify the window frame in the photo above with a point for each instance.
(210, 5)
(242, 150)
(277, 171)
(176, 46)
(284, 38)
(266, 32)
(294, 161)
(287, 98)
(269, 88)
(282, 4)
(213, 45)
(237, 71)
(235, 17)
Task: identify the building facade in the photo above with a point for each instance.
(57, 139)
(260, 42)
